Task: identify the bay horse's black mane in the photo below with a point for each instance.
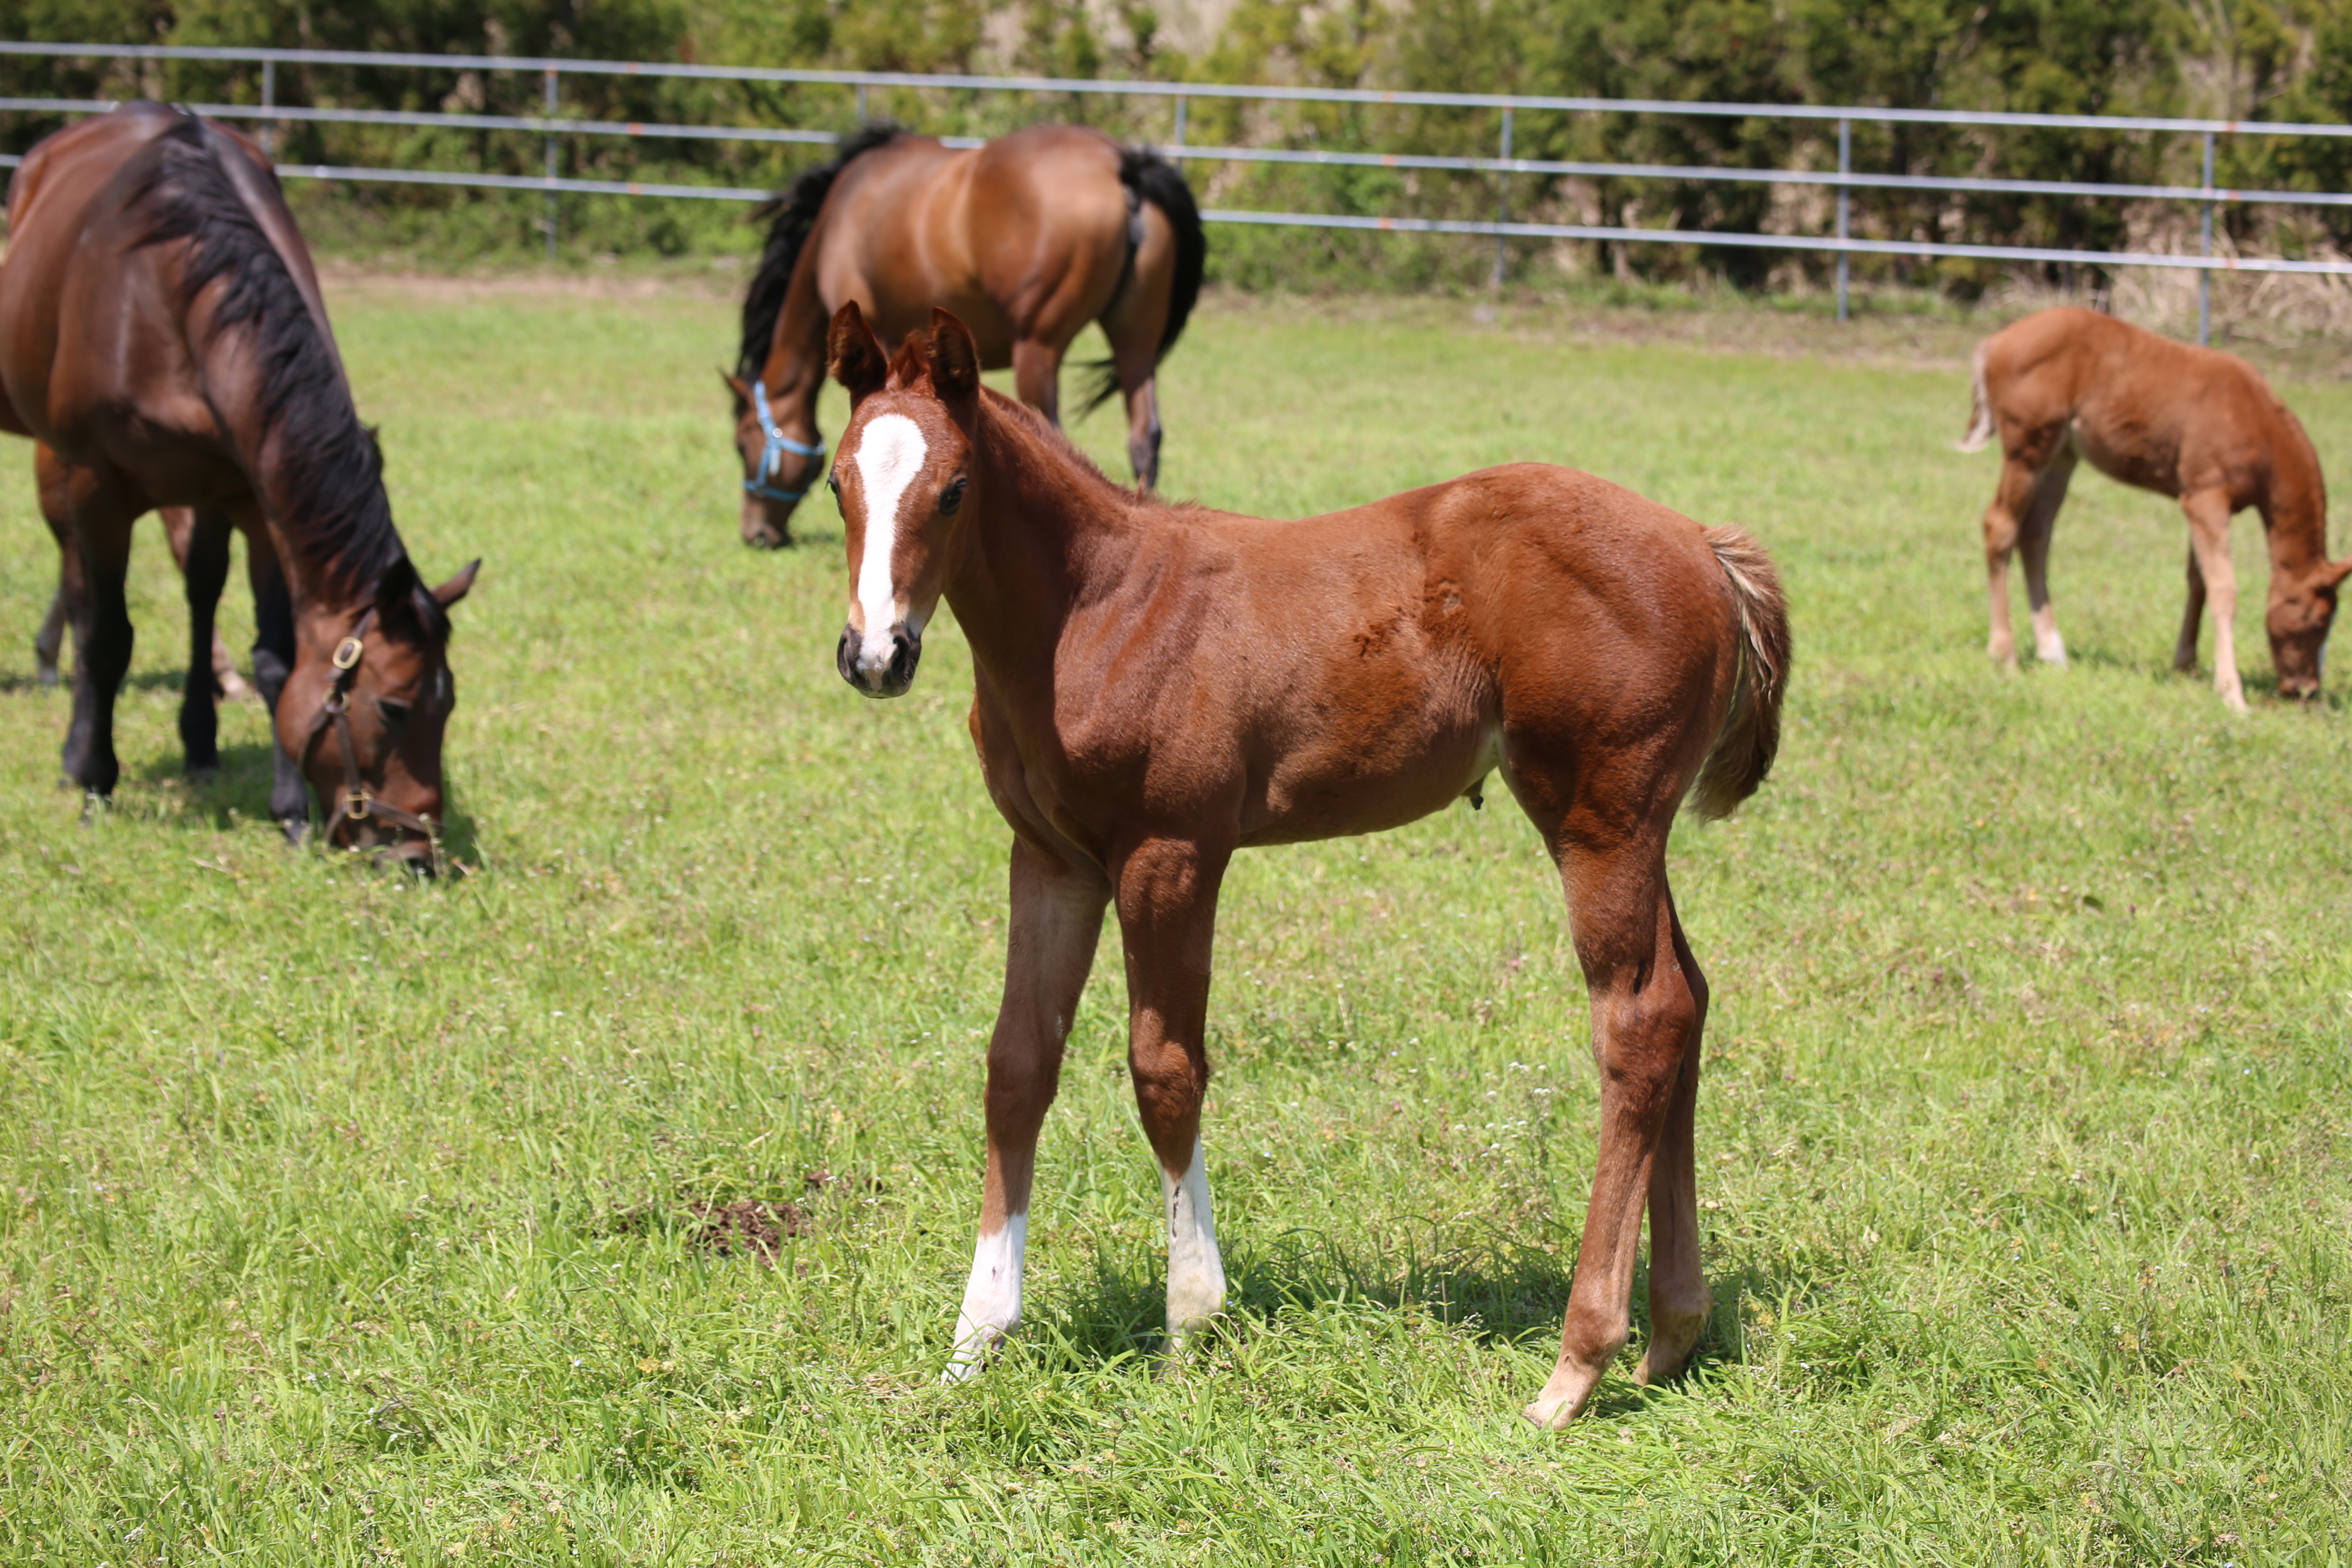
(794, 212)
(342, 529)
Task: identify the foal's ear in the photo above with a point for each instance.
(854, 356)
(955, 365)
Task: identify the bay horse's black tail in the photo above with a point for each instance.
(1151, 178)
(790, 213)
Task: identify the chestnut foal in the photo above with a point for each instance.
(2194, 424)
(1157, 686)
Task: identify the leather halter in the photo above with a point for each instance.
(778, 445)
(353, 802)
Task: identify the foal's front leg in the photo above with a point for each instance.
(1168, 916)
(1057, 913)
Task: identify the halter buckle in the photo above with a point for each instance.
(347, 654)
(355, 805)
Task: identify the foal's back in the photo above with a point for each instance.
(2163, 415)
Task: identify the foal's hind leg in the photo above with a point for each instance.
(2184, 651)
(2004, 520)
(1647, 1011)
(200, 539)
(2033, 544)
(1056, 918)
(1679, 1302)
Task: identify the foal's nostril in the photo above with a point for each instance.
(844, 657)
(906, 652)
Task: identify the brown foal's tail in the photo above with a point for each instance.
(1980, 431)
(1750, 737)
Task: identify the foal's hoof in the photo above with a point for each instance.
(1553, 1415)
(234, 688)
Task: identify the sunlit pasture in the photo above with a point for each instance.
(348, 1220)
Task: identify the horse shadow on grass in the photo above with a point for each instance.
(1499, 1291)
(237, 791)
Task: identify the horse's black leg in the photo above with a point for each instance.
(206, 568)
(273, 661)
(92, 509)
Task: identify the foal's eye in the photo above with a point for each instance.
(832, 483)
(393, 712)
(951, 498)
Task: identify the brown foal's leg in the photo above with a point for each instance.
(1679, 1302)
(1056, 918)
(2184, 652)
(1168, 916)
(2012, 504)
(2033, 544)
(2209, 539)
(1645, 1018)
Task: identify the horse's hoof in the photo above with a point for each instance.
(46, 677)
(93, 806)
(201, 774)
(296, 830)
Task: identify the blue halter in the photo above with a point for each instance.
(778, 445)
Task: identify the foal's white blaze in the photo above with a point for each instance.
(992, 1297)
(1196, 1276)
(889, 456)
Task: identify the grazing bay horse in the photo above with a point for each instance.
(1156, 687)
(1027, 239)
(163, 338)
(2194, 424)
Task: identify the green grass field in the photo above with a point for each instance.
(343, 1220)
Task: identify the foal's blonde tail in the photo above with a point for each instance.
(1980, 431)
(1751, 736)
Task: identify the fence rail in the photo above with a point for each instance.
(1846, 179)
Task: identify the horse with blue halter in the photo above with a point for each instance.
(1157, 687)
(1027, 239)
(164, 342)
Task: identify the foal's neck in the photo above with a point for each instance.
(2296, 513)
(1049, 529)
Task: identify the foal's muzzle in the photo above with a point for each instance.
(877, 675)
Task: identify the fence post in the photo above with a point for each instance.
(861, 103)
(1845, 206)
(1503, 199)
(1183, 103)
(551, 168)
(2205, 248)
(268, 100)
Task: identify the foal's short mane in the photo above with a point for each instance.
(1056, 441)
(341, 526)
(792, 212)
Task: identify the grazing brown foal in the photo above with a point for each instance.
(1028, 238)
(2194, 424)
(1156, 687)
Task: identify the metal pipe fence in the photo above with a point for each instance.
(1843, 244)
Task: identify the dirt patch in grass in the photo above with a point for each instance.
(748, 1226)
